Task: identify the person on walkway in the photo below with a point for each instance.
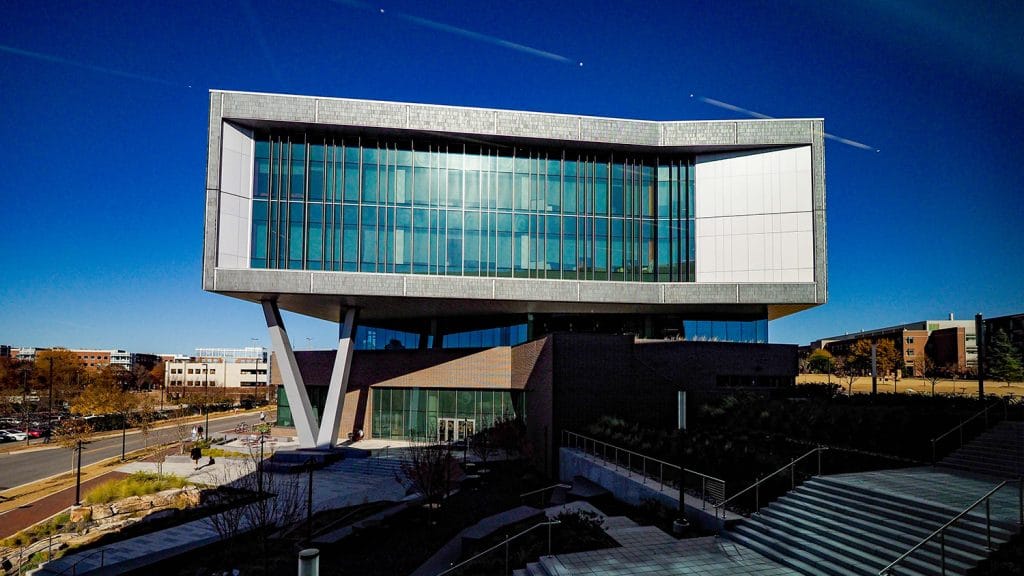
(195, 455)
(195, 432)
(263, 417)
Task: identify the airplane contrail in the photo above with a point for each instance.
(734, 108)
(425, 22)
(85, 66)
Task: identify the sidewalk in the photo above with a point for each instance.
(344, 483)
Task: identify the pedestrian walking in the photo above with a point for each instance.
(263, 417)
(195, 455)
(195, 432)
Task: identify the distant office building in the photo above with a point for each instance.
(948, 342)
(5, 351)
(230, 355)
(507, 264)
(194, 373)
(1012, 325)
(27, 353)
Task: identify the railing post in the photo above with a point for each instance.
(792, 473)
(933, 451)
(819, 460)
(644, 465)
(942, 547)
(661, 476)
(988, 524)
(506, 554)
(703, 493)
(961, 432)
(757, 495)
(629, 464)
(549, 538)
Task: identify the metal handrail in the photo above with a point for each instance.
(756, 485)
(74, 567)
(941, 530)
(504, 542)
(960, 427)
(544, 489)
(717, 484)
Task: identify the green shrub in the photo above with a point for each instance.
(138, 484)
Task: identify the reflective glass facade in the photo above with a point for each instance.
(324, 203)
(374, 338)
(413, 412)
(751, 331)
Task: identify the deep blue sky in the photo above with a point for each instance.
(103, 113)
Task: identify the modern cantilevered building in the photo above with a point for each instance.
(484, 259)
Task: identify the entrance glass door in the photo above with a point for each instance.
(455, 429)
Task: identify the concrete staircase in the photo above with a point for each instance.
(859, 523)
(997, 452)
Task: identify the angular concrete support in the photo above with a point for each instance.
(328, 435)
(302, 411)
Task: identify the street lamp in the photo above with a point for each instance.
(256, 363)
(206, 394)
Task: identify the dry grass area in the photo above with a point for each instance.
(919, 385)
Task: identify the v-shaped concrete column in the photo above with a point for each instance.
(328, 435)
(302, 411)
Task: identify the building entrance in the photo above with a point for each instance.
(455, 429)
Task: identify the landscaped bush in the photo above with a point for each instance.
(138, 484)
(56, 525)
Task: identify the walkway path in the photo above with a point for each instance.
(648, 551)
(344, 483)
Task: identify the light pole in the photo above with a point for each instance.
(206, 395)
(256, 363)
(49, 414)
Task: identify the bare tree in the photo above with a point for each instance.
(930, 370)
(431, 471)
(483, 446)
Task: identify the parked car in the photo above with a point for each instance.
(14, 435)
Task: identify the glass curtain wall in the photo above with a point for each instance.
(323, 203)
(413, 412)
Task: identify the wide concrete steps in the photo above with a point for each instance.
(997, 452)
(856, 524)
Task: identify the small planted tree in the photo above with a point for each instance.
(820, 362)
(431, 471)
(1004, 360)
(846, 368)
(482, 446)
(70, 432)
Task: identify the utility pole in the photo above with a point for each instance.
(874, 367)
(309, 504)
(206, 386)
(979, 338)
(49, 413)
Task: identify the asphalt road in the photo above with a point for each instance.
(26, 466)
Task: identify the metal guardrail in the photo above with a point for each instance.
(756, 486)
(941, 532)
(960, 427)
(74, 567)
(504, 543)
(710, 487)
(541, 491)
